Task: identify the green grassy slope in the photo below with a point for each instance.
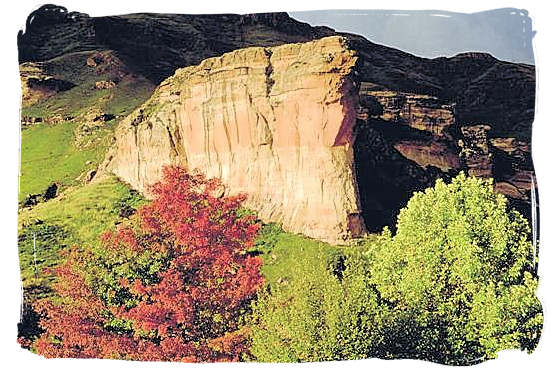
(292, 251)
(78, 217)
(48, 154)
(62, 151)
(283, 253)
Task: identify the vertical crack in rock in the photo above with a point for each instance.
(172, 143)
(136, 143)
(269, 81)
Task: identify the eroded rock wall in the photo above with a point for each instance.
(420, 126)
(422, 112)
(275, 123)
(474, 150)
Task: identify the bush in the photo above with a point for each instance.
(459, 272)
(267, 237)
(175, 286)
(325, 311)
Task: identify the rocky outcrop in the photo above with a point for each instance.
(505, 159)
(432, 120)
(275, 123)
(422, 112)
(104, 85)
(426, 153)
(37, 85)
(513, 168)
(474, 150)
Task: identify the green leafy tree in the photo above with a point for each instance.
(325, 311)
(459, 273)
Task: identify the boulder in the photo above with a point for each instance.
(50, 192)
(104, 85)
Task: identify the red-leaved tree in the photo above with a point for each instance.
(173, 286)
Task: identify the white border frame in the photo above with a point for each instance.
(14, 16)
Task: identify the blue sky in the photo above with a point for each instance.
(504, 33)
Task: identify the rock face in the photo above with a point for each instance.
(423, 125)
(475, 150)
(36, 85)
(422, 112)
(275, 123)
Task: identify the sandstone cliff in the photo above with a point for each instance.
(275, 123)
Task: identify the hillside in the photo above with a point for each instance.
(155, 45)
(483, 88)
(418, 119)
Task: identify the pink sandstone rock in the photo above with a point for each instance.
(274, 123)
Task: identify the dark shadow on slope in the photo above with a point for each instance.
(385, 178)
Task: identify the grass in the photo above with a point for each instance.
(283, 253)
(82, 214)
(40, 247)
(48, 154)
(287, 251)
(78, 217)
(121, 99)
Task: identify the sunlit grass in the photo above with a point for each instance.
(78, 217)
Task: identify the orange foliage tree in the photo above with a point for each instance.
(173, 286)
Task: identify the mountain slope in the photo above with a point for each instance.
(451, 94)
(155, 45)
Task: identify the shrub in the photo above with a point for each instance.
(175, 286)
(325, 311)
(267, 237)
(459, 272)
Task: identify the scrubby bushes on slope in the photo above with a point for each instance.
(326, 310)
(455, 284)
